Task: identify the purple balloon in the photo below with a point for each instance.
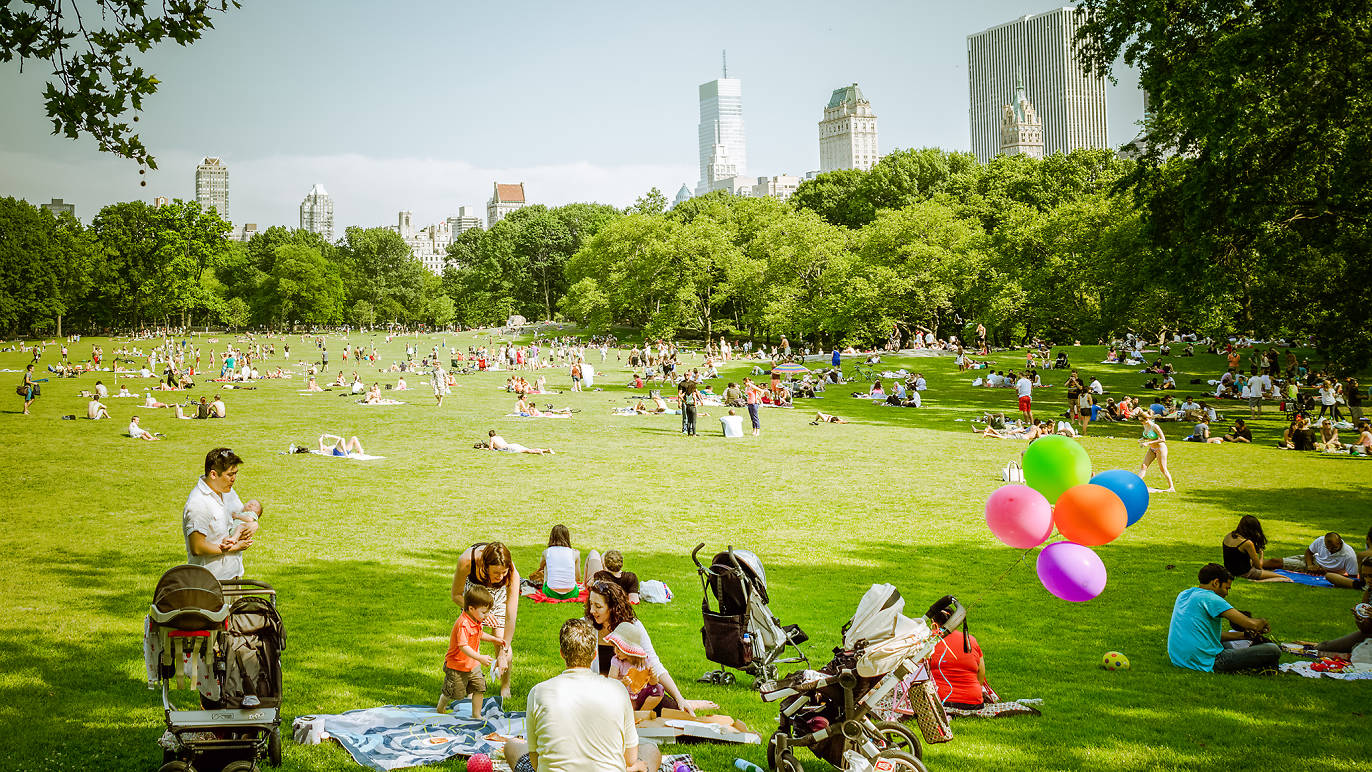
(1070, 571)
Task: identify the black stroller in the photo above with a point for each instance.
(743, 634)
(222, 639)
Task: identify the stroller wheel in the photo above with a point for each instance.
(274, 748)
(725, 678)
(787, 762)
(176, 765)
(898, 737)
(902, 761)
(240, 766)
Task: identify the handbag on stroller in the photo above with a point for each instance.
(743, 634)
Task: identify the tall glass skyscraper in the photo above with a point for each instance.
(721, 122)
(212, 186)
(1070, 103)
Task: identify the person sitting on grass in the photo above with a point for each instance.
(1194, 640)
(1331, 557)
(1364, 444)
(629, 666)
(400, 384)
(462, 665)
(578, 720)
(1240, 432)
(1201, 433)
(559, 569)
(95, 409)
(611, 569)
(1329, 437)
(137, 432)
(1362, 615)
(1243, 548)
(1298, 435)
(958, 670)
(337, 446)
(496, 442)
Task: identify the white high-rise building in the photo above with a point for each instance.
(316, 212)
(212, 186)
(428, 245)
(721, 123)
(506, 199)
(466, 219)
(848, 133)
(1042, 46)
(780, 186)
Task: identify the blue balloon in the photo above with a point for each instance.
(1129, 487)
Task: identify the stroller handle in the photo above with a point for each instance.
(695, 552)
(236, 587)
(956, 616)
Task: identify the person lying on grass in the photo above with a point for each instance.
(337, 446)
(825, 418)
(1194, 640)
(496, 442)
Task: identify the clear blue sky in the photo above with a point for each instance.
(421, 105)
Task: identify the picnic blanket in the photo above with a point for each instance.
(395, 736)
(382, 402)
(537, 596)
(1306, 669)
(544, 415)
(1309, 580)
(998, 709)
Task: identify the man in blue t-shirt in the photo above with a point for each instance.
(1194, 639)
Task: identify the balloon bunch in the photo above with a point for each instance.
(1061, 493)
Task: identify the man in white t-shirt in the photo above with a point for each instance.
(1096, 387)
(1024, 389)
(580, 721)
(1329, 555)
(216, 523)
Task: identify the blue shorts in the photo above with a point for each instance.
(338, 452)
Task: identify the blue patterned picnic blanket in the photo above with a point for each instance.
(395, 736)
(1306, 579)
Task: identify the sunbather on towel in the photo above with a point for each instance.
(337, 446)
(497, 442)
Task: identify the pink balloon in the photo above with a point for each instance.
(1071, 572)
(1019, 516)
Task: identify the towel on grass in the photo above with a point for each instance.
(999, 709)
(396, 736)
(1309, 580)
(353, 456)
(382, 402)
(545, 415)
(1306, 669)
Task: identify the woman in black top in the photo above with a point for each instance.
(1243, 552)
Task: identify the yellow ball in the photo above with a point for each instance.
(1113, 660)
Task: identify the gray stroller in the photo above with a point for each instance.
(223, 640)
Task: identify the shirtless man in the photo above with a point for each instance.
(498, 443)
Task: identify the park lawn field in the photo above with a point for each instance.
(363, 554)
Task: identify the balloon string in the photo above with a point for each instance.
(1000, 578)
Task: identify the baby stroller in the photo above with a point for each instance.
(833, 711)
(743, 634)
(222, 639)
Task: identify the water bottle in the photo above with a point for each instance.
(747, 640)
(743, 765)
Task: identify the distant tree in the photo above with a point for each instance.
(834, 196)
(363, 314)
(30, 256)
(95, 81)
(380, 269)
(235, 313)
(304, 287)
(652, 202)
(441, 310)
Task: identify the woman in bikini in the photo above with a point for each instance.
(489, 565)
(1155, 447)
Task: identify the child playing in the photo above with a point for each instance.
(463, 663)
(630, 666)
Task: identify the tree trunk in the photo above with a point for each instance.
(59, 325)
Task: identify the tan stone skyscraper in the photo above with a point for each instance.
(848, 133)
(1021, 129)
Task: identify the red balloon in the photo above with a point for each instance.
(1090, 514)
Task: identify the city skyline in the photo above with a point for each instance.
(601, 119)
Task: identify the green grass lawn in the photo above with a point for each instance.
(363, 556)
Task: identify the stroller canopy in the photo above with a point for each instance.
(188, 598)
(886, 635)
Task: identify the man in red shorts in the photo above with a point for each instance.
(1025, 389)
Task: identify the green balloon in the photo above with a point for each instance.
(1053, 464)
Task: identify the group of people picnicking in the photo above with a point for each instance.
(1195, 637)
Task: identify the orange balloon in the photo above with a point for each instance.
(1090, 515)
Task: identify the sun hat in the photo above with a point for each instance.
(627, 640)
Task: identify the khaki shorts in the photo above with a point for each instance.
(458, 684)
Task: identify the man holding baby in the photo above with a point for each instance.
(218, 526)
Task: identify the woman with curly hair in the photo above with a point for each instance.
(607, 607)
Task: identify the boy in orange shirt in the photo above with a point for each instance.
(462, 665)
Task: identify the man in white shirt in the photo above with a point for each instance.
(1258, 387)
(580, 721)
(1096, 387)
(216, 523)
(101, 391)
(1024, 389)
(137, 432)
(1329, 555)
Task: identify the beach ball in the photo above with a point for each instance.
(479, 762)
